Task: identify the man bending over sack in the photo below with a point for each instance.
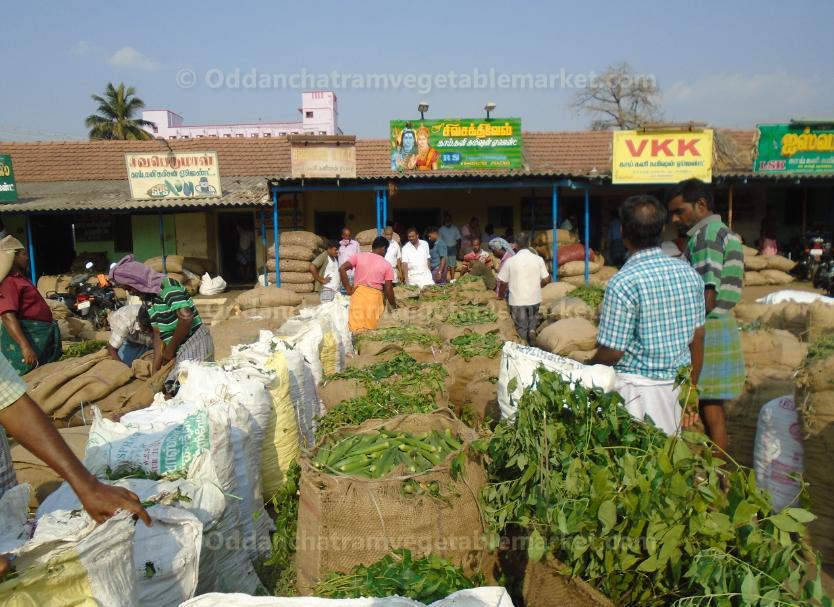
(372, 275)
(652, 321)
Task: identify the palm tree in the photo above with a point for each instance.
(115, 117)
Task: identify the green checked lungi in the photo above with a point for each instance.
(723, 375)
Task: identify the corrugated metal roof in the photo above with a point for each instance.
(114, 195)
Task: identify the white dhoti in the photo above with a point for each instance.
(419, 277)
(657, 399)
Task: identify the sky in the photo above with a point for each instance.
(730, 64)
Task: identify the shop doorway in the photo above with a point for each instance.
(417, 218)
(53, 244)
(329, 224)
(236, 237)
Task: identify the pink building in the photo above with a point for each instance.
(319, 116)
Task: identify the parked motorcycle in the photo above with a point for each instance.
(824, 276)
(90, 296)
(808, 263)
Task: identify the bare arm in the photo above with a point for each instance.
(316, 276)
(546, 281)
(442, 266)
(28, 424)
(12, 325)
(710, 295)
(158, 347)
(696, 351)
(388, 289)
(606, 356)
(114, 354)
(184, 320)
(404, 268)
(502, 289)
(343, 274)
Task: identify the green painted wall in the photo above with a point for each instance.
(146, 236)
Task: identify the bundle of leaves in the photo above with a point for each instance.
(435, 293)
(280, 566)
(471, 315)
(591, 295)
(823, 347)
(402, 372)
(83, 348)
(426, 579)
(467, 278)
(400, 335)
(639, 515)
(477, 344)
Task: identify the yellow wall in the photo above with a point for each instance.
(192, 234)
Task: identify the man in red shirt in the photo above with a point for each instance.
(28, 335)
(372, 276)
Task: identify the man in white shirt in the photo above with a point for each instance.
(393, 254)
(325, 271)
(416, 257)
(450, 235)
(524, 274)
(130, 333)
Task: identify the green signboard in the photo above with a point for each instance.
(8, 189)
(456, 145)
(786, 149)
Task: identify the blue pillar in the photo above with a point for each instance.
(384, 200)
(162, 242)
(275, 237)
(263, 243)
(378, 195)
(587, 236)
(32, 272)
(555, 233)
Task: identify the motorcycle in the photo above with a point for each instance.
(808, 264)
(90, 296)
(824, 276)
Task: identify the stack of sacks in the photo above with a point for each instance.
(571, 262)
(296, 250)
(574, 337)
(365, 238)
(760, 270)
(185, 270)
(543, 242)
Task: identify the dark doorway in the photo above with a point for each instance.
(417, 218)
(236, 235)
(329, 224)
(53, 244)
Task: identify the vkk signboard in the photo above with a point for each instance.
(8, 187)
(661, 157)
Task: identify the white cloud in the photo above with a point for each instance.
(129, 58)
(742, 100)
(84, 47)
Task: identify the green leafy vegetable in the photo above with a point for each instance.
(477, 344)
(279, 568)
(400, 335)
(823, 347)
(83, 348)
(471, 315)
(591, 295)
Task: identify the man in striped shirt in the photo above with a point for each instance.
(716, 254)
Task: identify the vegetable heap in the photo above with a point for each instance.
(640, 516)
(281, 562)
(591, 295)
(83, 348)
(477, 344)
(823, 347)
(467, 278)
(471, 315)
(377, 454)
(435, 293)
(427, 579)
(400, 335)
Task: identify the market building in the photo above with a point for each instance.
(75, 197)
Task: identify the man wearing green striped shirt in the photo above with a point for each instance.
(716, 253)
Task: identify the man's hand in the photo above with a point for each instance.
(349, 289)
(29, 356)
(168, 353)
(102, 501)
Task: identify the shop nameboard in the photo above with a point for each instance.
(661, 156)
(184, 175)
(794, 149)
(323, 160)
(8, 188)
(459, 144)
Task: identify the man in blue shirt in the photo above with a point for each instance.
(652, 321)
(439, 256)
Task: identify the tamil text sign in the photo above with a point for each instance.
(661, 157)
(323, 160)
(466, 143)
(785, 149)
(8, 188)
(183, 175)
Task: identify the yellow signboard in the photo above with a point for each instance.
(661, 157)
(185, 175)
(323, 160)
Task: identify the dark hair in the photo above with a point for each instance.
(644, 219)
(331, 243)
(691, 190)
(412, 229)
(143, 318)
(380, 242)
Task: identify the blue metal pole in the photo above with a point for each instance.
(32, 272)
(555, 233)
(378, 213)
(275, 237)
(587, 236)
(263, 243)
(162, 243)
(384, 194)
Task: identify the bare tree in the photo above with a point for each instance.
(619, 99)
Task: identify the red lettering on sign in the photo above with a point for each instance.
(658, 145)
(684, 145)
(639, 150)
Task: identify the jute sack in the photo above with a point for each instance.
(59, 310)
(815, 401)
(463, 373)
(754, 279)
(777, 262)
(449, 332)
(562, 237)
(577, 268)
(755, 264)
(53, 284)
(820, 320)
(568, 335)
(772, 348)
(606, 272)
(556, 290)
(545, 586)
(579, 281)
(335, 391)
(301, 288)
(268, 297)
(134, 395)
(366, 237)
(375, 348)
(32, 470)
(295, 278)
(292, 251)
(749, 251)
(582, 356)
(790, 316)
(300, 238)
(289, 265)
(239, 330)
(777, 277)
(344, 521)
(363, 360)
(279, 314)
(173, 263)
(568, 307)
(481, 399)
